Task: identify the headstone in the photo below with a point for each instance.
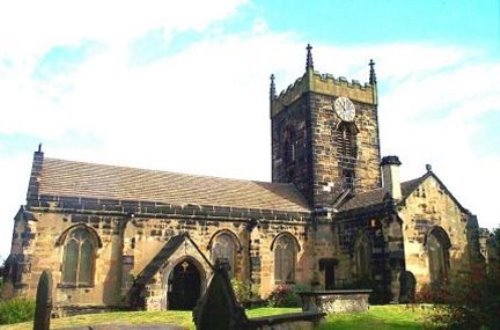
(408, 284)
(218, 308)
(43, 306)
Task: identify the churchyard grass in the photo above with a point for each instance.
(378, 317)
(383, 317)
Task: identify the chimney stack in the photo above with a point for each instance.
(390, 176)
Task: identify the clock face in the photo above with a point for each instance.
(345, 108)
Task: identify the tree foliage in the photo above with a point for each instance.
(470, 300)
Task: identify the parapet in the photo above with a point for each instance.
(326, 84)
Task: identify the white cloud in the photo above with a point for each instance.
(28, 27)
(204, 109)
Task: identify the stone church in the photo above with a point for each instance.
(335, 215)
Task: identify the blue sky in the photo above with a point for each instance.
(473, 22)
(184, 86)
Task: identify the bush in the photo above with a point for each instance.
(284, 296)
(16, 310)
(242, 290)
(433, 294)
(471, 300)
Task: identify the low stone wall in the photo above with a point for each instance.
(295, 321)
(335, 301)
(71, 310)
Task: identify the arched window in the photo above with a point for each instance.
(284, 259)
(438, 245)
(363, 255)
(289, 151)
(224, 247)
(79, 258)
(345, 140)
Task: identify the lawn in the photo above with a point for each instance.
(382, 317)
(378, 317)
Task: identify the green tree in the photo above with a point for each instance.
(496, 234)
(471, 299)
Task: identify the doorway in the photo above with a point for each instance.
(184, 284)
(329, 277)
(327, 265)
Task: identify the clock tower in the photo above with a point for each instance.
(325, 136)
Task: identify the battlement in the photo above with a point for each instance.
(327, 84)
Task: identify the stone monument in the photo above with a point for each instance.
(43, 306)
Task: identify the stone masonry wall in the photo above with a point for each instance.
(296, 118)
(47, 254)
(129, 244)
(307, 108)
(316, 168)
(327, 169)
(429, 206)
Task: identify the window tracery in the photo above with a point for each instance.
(79, 258)
(284, 259)
(438, 252)
(224, 248)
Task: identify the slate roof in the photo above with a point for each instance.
(78, 179)
(380, 196)
(361, 200)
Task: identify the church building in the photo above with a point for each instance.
(336, 215)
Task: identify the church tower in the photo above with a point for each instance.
(325, 136)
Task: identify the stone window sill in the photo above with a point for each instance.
(74, 286)
(284, 282)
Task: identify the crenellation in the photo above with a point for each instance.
(323, 84)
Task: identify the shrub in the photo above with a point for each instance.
(433, 294)
(16, 310)
(471, 300)
(284, 296)
(301, 287)
(242, 290)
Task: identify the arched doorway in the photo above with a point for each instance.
(184, 285)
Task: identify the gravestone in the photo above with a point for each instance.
(43, 306)
(408, 284)
(218, 308)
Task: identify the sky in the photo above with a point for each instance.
(183, 86)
